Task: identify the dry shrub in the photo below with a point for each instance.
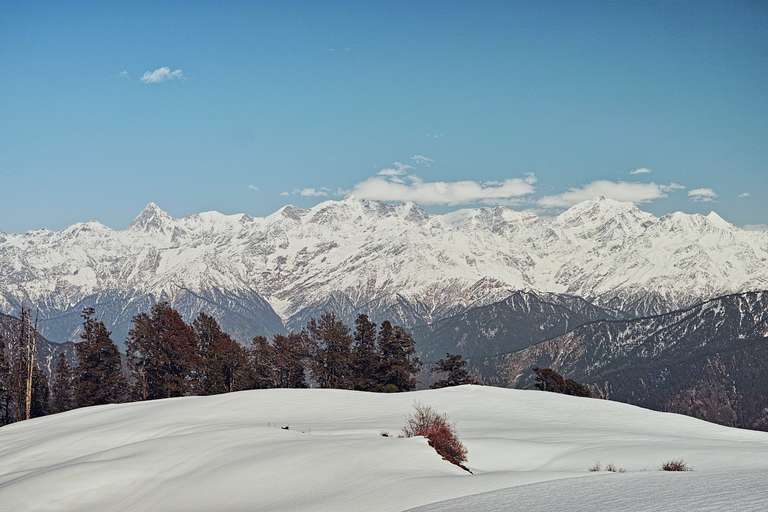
(675, 465)
(440, 434)
(597, 467)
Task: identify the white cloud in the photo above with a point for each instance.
(672, 186)
(397, 169)
(442, 192)
(308, 192)
(703, 195)
(422, 160)
(745, 195)
(253, 187)
(756, 227)
(161, 75)
(617, 190)
(640, 170)
(123, 74)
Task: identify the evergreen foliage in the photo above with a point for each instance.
(61, 393)
(453, 366)
(99, 377)
(549, 380)
(366, 359)
(162, 354)
(40, 394)
(398, 363)
(330, 344)
(166, 357)
(5, 385)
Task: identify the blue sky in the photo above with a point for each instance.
(535, 104)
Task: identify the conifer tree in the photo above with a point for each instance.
(261, 357)
(331, 352)
(399, 363)
(5, 385)
(162, 354)
(365, 355)
(223, 363)
(61, 392)
(99, 379)
(453, 366)
(40, 394)
(290, 352)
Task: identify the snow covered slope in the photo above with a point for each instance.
(390, 260)
(228, 452)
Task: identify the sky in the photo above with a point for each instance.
(248, 106)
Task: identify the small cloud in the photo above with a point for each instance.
(640, 170)
(162, 74)
(397, 169)
(308, 192)
(756, 227)
(671, 187)
(123, 74)
(745, 195)
(434, 135)
(630, 192)
(422, 160)
(702, 195)
(253, 187)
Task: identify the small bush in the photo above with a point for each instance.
(439, 433)
(614, 469)
(675, 465)
(597, 467)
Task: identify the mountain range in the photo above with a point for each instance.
(708, 361)
(268, 274)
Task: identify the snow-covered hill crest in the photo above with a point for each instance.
(228, 453)
(389, 259)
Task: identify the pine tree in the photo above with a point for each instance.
(40, 402)
(5, 385)
(331, 352)
(290, 352)
(61, 394)
(399, 364)
(162, 354)
(99, 379)
(19, 365)
(454, 368)
(223, 363)
(365, 355)
(549, 380)
(261, 356)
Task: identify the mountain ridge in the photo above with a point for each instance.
(381, 258)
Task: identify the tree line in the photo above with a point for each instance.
(167, 357)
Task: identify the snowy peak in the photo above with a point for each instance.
(379, 254)
(603, 210)
(152, 220)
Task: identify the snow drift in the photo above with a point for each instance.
(229, 452)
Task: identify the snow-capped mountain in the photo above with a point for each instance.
(392, 260)
(708, 361)
(522, 319)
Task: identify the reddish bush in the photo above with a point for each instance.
(675, 465)
(439, 433)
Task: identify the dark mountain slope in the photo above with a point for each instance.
(708, 361)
